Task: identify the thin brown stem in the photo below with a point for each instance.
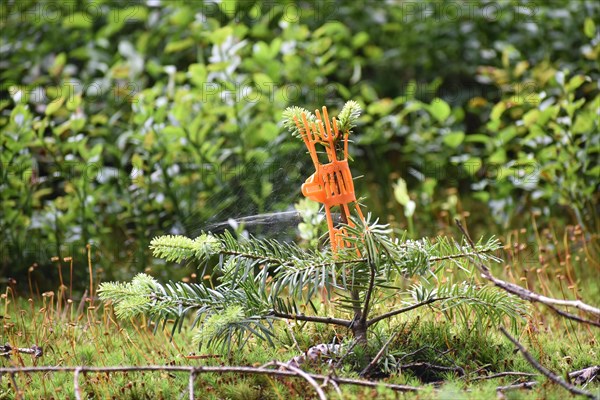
(523, 385)
(304, 375)
(403, 310)
(502, 374)
(365, 312)
(379, 354)
(221, 369)
(309, 318)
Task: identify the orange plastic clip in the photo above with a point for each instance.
(331, 184)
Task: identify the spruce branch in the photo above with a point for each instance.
(130, 298)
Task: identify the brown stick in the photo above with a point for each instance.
(427, 365)
(14, 382)
(502, 374)
(403, 310)
(76, 384)
(528, 295)
(222, 369)
(309, 318)
(524, 385)
(546, 372)
(303, 374)
(379, 354)
(191, 384)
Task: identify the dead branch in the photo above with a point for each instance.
(76, 384)
(222, 369)
(191, 385)
(503, 374)
(309, 318)
(523, 385)
(379, 354)
(304, 375)
(585, 375)
(427, 365)
(403, 310)
(528, 295)
(6, 350)
(546, 372)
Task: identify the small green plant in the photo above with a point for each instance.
(261, 281)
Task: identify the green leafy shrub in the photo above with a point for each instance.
(122, 121)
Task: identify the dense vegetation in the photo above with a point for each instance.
(122, 121)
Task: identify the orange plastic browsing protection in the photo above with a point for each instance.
(331, 184)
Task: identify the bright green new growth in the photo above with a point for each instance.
(348, 116)
(132, 296)
(346, 119)
(261, 281)
(288, 118)
(178, 248)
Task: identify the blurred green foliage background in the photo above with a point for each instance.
(125, 120)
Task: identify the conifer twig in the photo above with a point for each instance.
(366, 309)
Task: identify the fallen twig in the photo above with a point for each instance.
(76, 384)
(549, 374)
(304, 375)
(427, 365)
(379, 354)
(585, 375)
(346, 354)
(523, 385)
(528, 295)
(503, 374)
(221, 369)
(6, 350)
